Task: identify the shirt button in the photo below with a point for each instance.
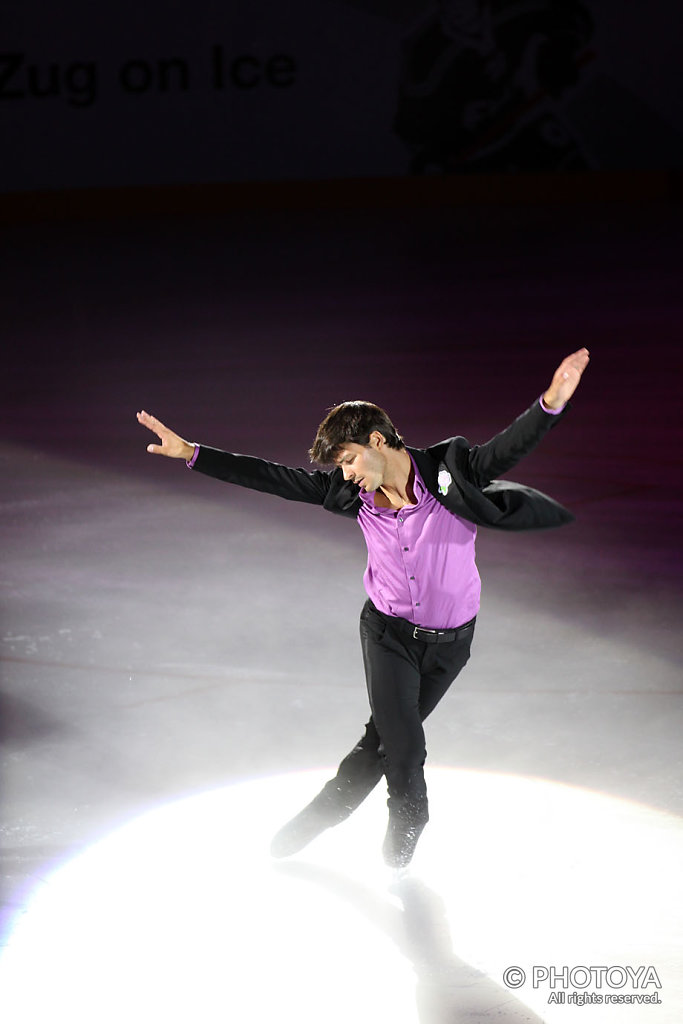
(417, 604)
(412, 577)
(400, 519)
(405, 549)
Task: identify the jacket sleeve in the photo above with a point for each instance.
(488, 461)
(259, 475)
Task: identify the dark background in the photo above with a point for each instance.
(146, 266)
(208, 92)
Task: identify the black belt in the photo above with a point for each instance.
(438, 636)
(427, 636)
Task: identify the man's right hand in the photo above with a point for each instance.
(171, 444)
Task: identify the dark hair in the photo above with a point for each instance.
(351, 423)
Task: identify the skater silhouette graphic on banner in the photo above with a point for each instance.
(482, 84)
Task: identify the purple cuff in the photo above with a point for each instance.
(552, 412)
(190, 462)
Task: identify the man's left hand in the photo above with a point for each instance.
(566, 379)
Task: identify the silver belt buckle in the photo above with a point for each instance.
(434, 632)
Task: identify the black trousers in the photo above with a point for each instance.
(406, 678)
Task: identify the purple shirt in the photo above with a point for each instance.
(420, 561)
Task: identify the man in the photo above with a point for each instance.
(419, 510)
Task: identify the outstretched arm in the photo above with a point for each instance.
(566, 379)
(489, 461)
(171, 445)
(244, 470)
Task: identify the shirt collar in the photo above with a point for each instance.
(368, 497)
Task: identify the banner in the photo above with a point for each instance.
(208, 92)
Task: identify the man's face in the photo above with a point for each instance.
(364, 464)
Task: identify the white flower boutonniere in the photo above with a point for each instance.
(445, 480)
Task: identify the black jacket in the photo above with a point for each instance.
(462, 477)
